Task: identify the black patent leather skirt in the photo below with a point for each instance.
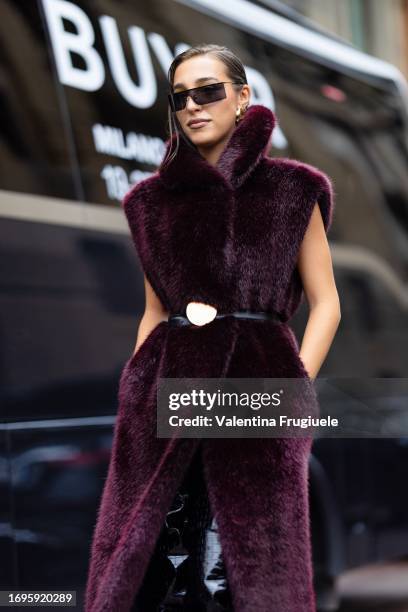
(186, 571)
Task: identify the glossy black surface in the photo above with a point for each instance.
(187, 571)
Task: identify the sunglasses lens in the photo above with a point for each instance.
(200, 95)
(210, 93)
(180, 101)
(177, 101)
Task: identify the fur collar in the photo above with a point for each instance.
(248, 144)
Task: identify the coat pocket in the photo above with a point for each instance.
(310, 392)
(141, 357)
(303, 368)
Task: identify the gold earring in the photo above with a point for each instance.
(240, 112)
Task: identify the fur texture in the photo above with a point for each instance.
(229, 236)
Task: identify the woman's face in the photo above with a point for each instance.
(220, 115)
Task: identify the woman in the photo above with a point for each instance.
(228, 240)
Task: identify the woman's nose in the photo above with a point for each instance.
(190, 99)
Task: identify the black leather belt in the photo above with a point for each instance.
(177, 319)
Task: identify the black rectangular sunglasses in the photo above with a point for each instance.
(201, 95)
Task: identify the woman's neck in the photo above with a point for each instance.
(212, 154)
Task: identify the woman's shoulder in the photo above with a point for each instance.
(298, 171)
(140, 191)
(301, 186)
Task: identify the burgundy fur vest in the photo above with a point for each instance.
(228, 236)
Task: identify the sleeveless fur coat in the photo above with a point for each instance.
(227, 235)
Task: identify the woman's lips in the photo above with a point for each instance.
(195, 126)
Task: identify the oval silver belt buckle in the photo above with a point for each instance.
(199, 313)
